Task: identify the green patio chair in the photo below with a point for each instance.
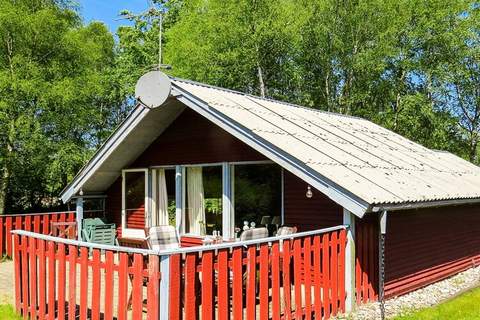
(95, 230)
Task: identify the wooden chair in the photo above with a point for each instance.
(156, 238)
(284, 231)
(66, 230)
(255, 233)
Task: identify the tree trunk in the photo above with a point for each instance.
(4, 181)
(261, 84)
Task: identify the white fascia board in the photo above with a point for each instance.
(104, 152)
(339, 195)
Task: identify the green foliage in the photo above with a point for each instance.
(464, 307)
(58, 101)
(8, 313)
(409, 65)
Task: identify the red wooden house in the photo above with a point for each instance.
(210, 159)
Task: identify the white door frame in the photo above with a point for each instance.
(130, 232)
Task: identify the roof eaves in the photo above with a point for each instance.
(116, 137)
(422, 204)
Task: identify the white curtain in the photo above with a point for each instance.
(196, 202)
(162, 199)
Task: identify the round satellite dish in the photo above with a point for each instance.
(153, 88)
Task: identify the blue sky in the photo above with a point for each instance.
(107, 10)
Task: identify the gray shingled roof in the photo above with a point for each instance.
(373, 163)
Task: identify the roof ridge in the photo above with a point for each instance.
(267, 99)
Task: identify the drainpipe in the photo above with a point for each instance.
(381, 262)
(349, 219)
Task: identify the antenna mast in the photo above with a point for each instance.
(152, 12)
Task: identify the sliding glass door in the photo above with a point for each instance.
(257, 194)
(203, 200)
(163, 197)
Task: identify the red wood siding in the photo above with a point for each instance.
(366, 260)
(308, 214)
(192, 139)
(113, 204)
(427, 245)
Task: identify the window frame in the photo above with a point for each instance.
(131, 232)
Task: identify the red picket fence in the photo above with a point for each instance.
(366, 263)
(296, 276)
(64, 279)
(35, 222)
(301, 277)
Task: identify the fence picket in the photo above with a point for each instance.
(334, 272)
(16, 258)
(61, 283)
(175, 278)
(264, 281)
(83, 283)
(190, 282)
(223, 278)
(122, 286)
(2, 223)
(153, 288)
(108, 299)
(251, 282)
(287, 292)
(72, 282)
(8, 237)
(137, 286)
(326, 275)
(237, 283)
(36, 224)
(307, 263)
(41, 279)
(25, 274)
(275, 282)
(297, 268)
(317, 262)
(207, 286)
(51, 274)
(341, 269)
(96, 289)
(33, 277)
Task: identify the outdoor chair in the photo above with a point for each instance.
(95, 230)
(255, 233)
(163, 238)
(156, 238)
(284, 231)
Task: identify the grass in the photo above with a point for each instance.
(8, 313)
(464, 307)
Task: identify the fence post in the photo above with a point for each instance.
(79, 215)
(349, 219)
(164, 296)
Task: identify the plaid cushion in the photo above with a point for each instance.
(163, 238)
(284, 231)
(256, 233)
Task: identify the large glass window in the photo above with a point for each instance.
(257, 194)
(163, 205)
(203, 211)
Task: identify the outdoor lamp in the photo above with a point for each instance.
(309, 192)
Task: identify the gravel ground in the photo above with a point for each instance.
(6, 282)
(419, 299)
